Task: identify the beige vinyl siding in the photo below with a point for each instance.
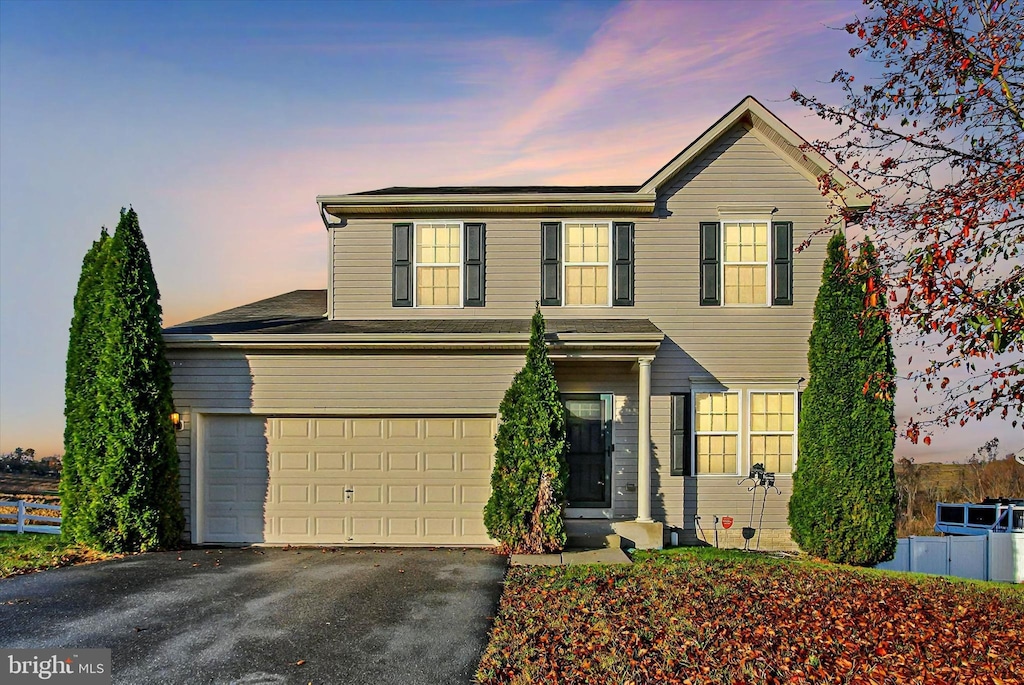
(223, 381)
(767, 343)
(721, 341)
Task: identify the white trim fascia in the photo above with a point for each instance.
(405, 340)
(784, 382)
(736, 211)
(511, 199)
(198, 474)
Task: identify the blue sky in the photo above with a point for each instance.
(221, 122)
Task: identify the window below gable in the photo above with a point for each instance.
(745, 262)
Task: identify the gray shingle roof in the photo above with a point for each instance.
(304, 311)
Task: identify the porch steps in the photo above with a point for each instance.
(613, 534)
(591, 534)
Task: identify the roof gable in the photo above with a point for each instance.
(777, 135)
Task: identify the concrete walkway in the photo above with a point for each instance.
(605, 556)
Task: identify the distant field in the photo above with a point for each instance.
(27, 484)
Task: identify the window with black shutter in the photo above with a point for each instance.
(681, 435)
(622, 264)
(401, 265)
(551, 264)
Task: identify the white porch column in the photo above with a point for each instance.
(643, 453)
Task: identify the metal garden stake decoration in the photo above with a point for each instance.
(766, 481)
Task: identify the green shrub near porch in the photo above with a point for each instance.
(524, 512)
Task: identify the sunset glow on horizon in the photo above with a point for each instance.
(220, 123)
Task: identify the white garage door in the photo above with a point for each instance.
(410, 480)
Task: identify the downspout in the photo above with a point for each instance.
(330, 261)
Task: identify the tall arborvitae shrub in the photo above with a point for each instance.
(843, 506)
(136, 502)
(524, 513)
(82, 443)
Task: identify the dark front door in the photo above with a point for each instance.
(588, 425)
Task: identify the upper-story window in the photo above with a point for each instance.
(587, 265)
(438, 264)
(745, 262)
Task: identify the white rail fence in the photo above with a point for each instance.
(995, 556)
(20, 518)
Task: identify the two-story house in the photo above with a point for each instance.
(677, 313)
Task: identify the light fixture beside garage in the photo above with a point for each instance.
(176, 421)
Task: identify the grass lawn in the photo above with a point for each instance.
(709, 616)
(29, 552)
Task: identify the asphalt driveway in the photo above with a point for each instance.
(251, 615)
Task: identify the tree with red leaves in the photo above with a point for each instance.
(937, 141)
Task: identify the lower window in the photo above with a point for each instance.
(767, 425)
(773, 430)
(717, 432)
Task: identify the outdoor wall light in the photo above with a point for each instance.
(176, 421)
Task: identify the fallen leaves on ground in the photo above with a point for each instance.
(706, 618)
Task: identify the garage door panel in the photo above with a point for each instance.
(439, 461)
(293, 461)
(403, 428)
(293, 428)
(403, 494)
(475, 461)
(368, 461)
(477, 428)
(474, 494)
(330, 428)
(442, 527)
(329, 461)
(328, 494)
(399, 527)
(368, 428)
(403, 461)
(439, 494)
(330, 527)
(399, 480)
(440, 428)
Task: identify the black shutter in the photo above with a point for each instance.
(622, 277)
(551, 264)
(681, 435)
(474, 287)
(401, 265)
(709, 264)
(782, 264)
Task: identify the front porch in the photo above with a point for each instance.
(608, 401)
